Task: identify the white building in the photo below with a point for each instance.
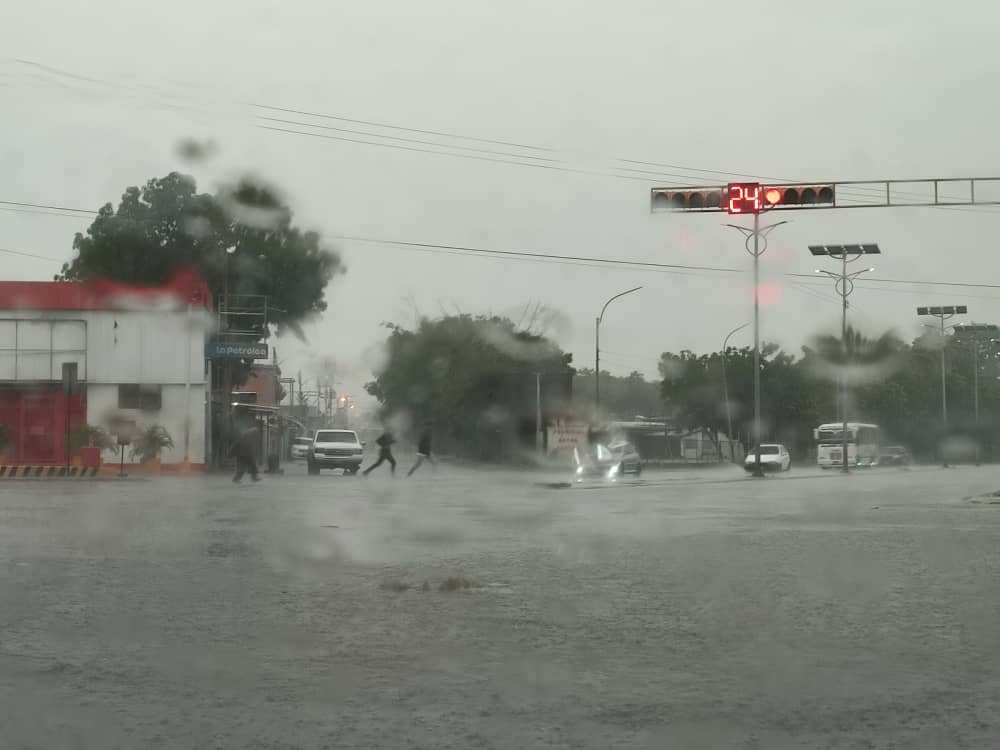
(139, 354)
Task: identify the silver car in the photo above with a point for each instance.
(607, 461)
(300, 447)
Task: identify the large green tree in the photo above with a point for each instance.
(472, 378)
(693, 389)
(167, 223)
(891, 383)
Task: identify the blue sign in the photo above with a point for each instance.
(223, 349)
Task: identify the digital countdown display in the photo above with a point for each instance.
(744, 198)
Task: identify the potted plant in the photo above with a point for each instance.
(87, 441)
(149, 444)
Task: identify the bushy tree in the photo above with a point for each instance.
(467, 375)
(167, 223)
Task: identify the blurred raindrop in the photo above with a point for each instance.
(192, 149)
(254, 204)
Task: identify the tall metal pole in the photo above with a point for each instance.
(944, 398)
(725, 391)
(597, 346)
(597, 365)
(756, 233)
(975, 387)
(843, 370)
(757, 471)
(844, 287)
(538, 412)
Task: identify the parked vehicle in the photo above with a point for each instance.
(894, 455)
(300, 447)
(773, 457)
(862, 444)
(335, 449)
(607, 461)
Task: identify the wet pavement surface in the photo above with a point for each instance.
(482, 609)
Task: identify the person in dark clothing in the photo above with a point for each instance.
(243, 449)
(423, 451)
(384, 443)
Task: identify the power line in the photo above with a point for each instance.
(857, 190)
(550, 167)
(526, 254)
(54, 208)
(31, 255)
(412, 140)
(910, 281)
(372, 123)
(41, 213)
(466, 250)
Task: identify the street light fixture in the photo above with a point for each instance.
(975, 329)
(725, 390)
(597, 347)
(942, 314)
(844, 285)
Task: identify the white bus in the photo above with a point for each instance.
(862, 444)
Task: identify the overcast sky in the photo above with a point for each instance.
(854, 90)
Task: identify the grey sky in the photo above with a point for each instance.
(852, 91)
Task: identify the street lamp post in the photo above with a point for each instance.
(942, 314)
(725, 390)
(845, 285)
(756, 234)
(227, 375)
(975, 329)
(597, 346)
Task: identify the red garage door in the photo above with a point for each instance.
(35, 418)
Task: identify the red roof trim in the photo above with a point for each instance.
(186, 286)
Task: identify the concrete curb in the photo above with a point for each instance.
(18, 471)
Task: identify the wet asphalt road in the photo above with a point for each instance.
(691, 610)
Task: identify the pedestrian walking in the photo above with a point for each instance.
(423, 451)
(243, 450)
(384, 443)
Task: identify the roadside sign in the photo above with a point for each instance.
(232, 349)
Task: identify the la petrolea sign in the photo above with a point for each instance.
(230, 349)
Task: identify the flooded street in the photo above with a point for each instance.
(467, 609)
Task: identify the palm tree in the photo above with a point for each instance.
(857, 357)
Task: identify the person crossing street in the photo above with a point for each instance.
(384, 443)
(423, 451)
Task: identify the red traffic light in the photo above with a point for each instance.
(778, 196)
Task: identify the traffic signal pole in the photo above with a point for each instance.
(757, 471)
(759, 236)
(754, 197)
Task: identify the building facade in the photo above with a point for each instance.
(139, 354)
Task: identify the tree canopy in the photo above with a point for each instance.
(891, 383)
(468, 375)
(167, 224)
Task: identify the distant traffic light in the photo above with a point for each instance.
(687, 199)
(744, 197)
(777, 196)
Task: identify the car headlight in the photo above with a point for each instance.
(613, 472)
(579, 470)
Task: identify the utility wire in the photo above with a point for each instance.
(463, 249)
(857, 190)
